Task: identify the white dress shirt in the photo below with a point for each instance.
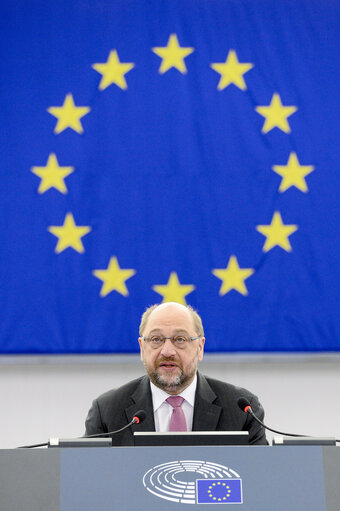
(163, 410)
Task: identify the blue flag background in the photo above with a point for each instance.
(169, 150)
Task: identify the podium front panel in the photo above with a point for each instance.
(29, 480)
(258, 478)
(154, 478)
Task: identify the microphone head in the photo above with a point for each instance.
(139, 416)
(244, 404)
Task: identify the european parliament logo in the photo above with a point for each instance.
(194, 482)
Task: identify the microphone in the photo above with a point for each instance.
(136, 419)
(56, 442)
(245, 406)
(139, 416)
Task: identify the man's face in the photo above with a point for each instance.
(169, 368)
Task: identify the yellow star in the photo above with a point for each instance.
(293, 174)
(276, 115)
(172, 55)
(113, 278)
(113, 71)
(52, 176)
(69, 234)
(233, 277)
(232, 71)
(277, 233)
(173, 291)
(68, 115)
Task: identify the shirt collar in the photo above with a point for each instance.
(159, 395)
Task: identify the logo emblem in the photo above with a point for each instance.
(194, 482)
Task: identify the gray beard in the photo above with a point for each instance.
(162, 383)
(177, 384)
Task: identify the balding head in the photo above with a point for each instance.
(170, 309)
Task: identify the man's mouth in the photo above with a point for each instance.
(168, 366)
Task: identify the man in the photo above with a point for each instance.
(171, 345)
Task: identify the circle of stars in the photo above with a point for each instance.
(69, 116)
(221, 496)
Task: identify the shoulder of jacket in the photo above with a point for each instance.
(219, 386)
(125, 390)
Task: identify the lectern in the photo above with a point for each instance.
(245, 478)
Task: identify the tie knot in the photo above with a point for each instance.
(175, 401)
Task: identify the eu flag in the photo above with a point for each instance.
(169, 151)
(219, 491)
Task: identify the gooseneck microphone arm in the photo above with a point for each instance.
(245, 406)
(137, 419)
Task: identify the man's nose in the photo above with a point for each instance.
(168, 349)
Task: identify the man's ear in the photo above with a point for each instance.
(140, 340)
(201, 348)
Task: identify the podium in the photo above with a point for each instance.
(246, 478)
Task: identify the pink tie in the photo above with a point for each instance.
(177, 421)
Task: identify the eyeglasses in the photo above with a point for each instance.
(179, 341)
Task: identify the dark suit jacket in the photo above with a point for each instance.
(215, 409)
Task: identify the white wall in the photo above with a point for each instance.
(42, 397)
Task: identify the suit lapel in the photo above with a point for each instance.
(142, 401)
(206, 414)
